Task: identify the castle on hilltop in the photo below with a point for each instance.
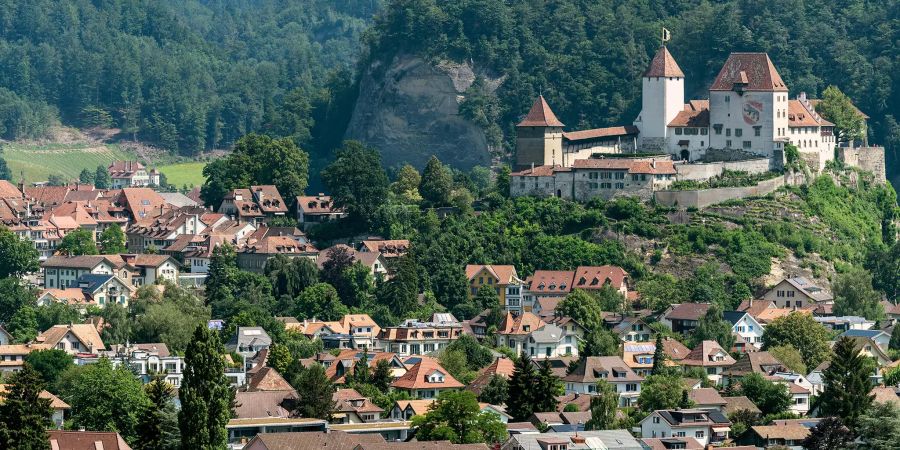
(746, 122)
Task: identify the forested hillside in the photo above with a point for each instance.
(184, 75)
(587, 56)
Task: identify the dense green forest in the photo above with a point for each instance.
(184, 75)
(587, 56)
(198, 74)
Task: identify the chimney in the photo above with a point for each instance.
(802, 97)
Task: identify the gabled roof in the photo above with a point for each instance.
(417, 376)
(594, 277)
(663, 65)
(317, 204)
(9, 190)
(677, 417)
(540, 115)
(268, 198)
(706, 397)
(551, 281)
(55, 402)
(799, 115)
(762, 363)
(308, 440)
(754, 71)
(631, 165)
(809, 288)
(867, 334)
(694, 114)
(263, 404)
(734, 316)
(524, 323)
(595, 368)
(675, 351)
(703, 353)
(86, 440)
(501, 366)
(795, 432)
(419, 407)
(687, 311)
(86, 333)
(504, 274)
(600, 133)
(739, 403)
(349, 400)
(268, 379)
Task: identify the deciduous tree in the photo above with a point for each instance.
(456, 416)
(112, 240)
(357, 181)
(437, 183)
(854, 295)
(77, 243)
(604, 405)
(803, 333)
(17, 256)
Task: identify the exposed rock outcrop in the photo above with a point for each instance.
(409, 111)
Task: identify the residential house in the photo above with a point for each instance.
(546, 284)
(248, 341)
(573, 440)
(426, 379)
(528, 333)
(561, 421)
(501, 367)
(559, 365)
(353, 407)
(706, 426)
(413, 337)
(800, 399)
(747, 330)
(145, 360)
(139, 203)
(639, 357)
(131, 174)
(374, 261)
(12, 356)
(62, 272)
(269, 200)
(389, 248)
(797, 292)
(845, 323)
(264, 378)
(260, 412)
(152, 269)
(594, 278)
(254, 205)
(762, 362)
(160, 231)
(685, 443)
(72, 338)
(68, 296)
(613, 370)
(675, 351)
(503, 279)
(346, 360)
(317, 209)
(86, 440)
(787, 435)
(707, 398)
(103, 289)
(710, 356)
(740, 403)
(633, 329)
(407, 409)
(253, 257)
(60, 408)
(684, 317)
(872, 343)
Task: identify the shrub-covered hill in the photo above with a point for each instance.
(723, 254)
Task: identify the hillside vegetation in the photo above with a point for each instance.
(37, 162)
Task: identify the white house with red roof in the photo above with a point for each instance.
(131, 174)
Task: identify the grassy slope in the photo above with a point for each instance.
(67, 160)
(180, 174)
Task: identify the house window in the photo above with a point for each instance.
(631, 387)
(655, 419)
(738, 132)
(700, 434)
(710, 370)
(747, 144)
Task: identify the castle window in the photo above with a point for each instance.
(620, 175)
(728, 132)
(738, 132)
(678, 131)
(747, 145)
(605, 185)
(704, 131)
(728, 143)
(634, 177)
(620, 185)
(757, 130)
(727, 99)
(718, 128)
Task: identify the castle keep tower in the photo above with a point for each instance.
(539, 137)
(662, 98)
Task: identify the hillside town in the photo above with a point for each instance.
(597, 294)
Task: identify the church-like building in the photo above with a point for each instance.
(748, 115)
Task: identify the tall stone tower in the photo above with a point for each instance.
(662, 97)
(539, 137)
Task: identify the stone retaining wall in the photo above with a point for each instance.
(701, 198)
(705, 171)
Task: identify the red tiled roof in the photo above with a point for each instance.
(272, 245)
(632, 166)
(123, 169)
(268, 379)
(317, 204)
(540, 115)
(551, 281)
(9, 190)
(597, 133)
(691, 118)
(688, 311)
(503, 273)
(753, 69)
(663, 65)
(501, 366)
(417, 376)
(86, 440)
(594, 277)
(800, 116)
(702, 353)
(268, 198)
(524, 323)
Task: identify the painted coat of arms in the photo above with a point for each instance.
(752, 112)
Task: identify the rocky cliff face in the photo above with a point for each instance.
(409, 111)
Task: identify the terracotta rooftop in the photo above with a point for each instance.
(86, 333)
(663, 65)
(417, 376)
(86, 440)
(595, 277)
(705, 353)
(631, 165)
(540, 115)
(739, 403)
(501, 366)
(688, 311)
(503, 273)
(800, 116)
(268, 379)
(541, 171)
(9, 190)
(599, 133)
(754, 70)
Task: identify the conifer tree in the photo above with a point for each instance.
(360, 374)
(381, 376)
(847, 384)
(314, 392)
(24, 415)
(522, 385)
(157, 428)
(659, 356)
(548, 387)
(206, 395)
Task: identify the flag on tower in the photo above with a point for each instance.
(666, 35)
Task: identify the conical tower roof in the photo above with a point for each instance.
(540, 115)
(663, 65)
